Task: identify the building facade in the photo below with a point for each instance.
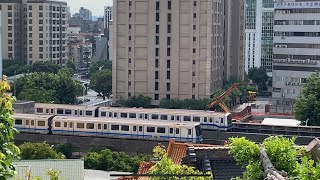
(34, 30)
(167, 49)
(234, 40)
(296, 48)
(259, 16)
(107, 32)
(107, 16)
(86, 14)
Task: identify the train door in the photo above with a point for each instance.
(32, 125)
(99, 129)
(140, 132)
(65, 127)
(71, 127)
(177, 133)
(105, 129)
(189, 134)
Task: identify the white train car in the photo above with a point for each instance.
(208, 119)
(85, 126)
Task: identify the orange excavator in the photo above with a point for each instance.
(219, 99)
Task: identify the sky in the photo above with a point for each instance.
(96, 6)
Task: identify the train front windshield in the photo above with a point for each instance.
(229, 119)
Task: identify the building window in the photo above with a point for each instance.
(130, 15)
(10, 48)
(30, 48)
(168, 64)
(169, 5)
(194, 3)
(157, 5)
(168, 75)
(129, 49)
(30, 8)
(30, 41)
(40, 49)
(129, 26)
(41, 56)
(168, 87)
(194, 50)
(40, 8)
(9, 41)
(169, 28)
(169, 17)
(168, 97)
(9, 28)
(9, 34)
(194, 15)
(194, 39)
(130, 3)
(40, 21)
(157, 17)
(30, 55)
(193, 73)
(30, 35)
(9, 14)
(193, 62)
(9, 7)
(157, 28)
(156, 87)
(40, 28)
(129, 60)
(168, 41)
(9, 21)
(168, 52)
(156, 97)
(157, 63)
(157, 39)
(157, 51)
(194, 27)
(129, 71)
(193, 97)
(156, 74)
(40, 14)
(30, 28)
(41, 42)
(193, 85)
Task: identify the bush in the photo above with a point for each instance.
(136, 101)
(38, 151)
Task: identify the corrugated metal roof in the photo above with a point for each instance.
(281, 122)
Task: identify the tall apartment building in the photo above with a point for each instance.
(167, 48)
(107, 16)
(259, 34)
(296, 48)
(107, 31)
(234, 39)
(34, 30)
(86, 14)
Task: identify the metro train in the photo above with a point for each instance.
(108, 127)
(208, 119)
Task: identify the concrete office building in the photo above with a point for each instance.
(107, 32)
(259, 34)
(234, 39)
(34, 30)
(107, 16)
(86, 14)
(167, 49)
(296, 48)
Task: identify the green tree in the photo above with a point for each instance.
(100, 65)
(72, 65)
(136, 101)
(101, 82)
(307, 106)
(259, 76)
(47, 66)
(37, 94)
(8, 151)
(165, 165)
(65, 149)
(38, 151)
(113, 161)
(54, 174)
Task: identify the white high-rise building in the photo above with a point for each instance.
(259, 34)
(107, 16)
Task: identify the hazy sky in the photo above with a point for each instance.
(96, 6)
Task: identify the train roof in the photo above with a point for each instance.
(126, 121)
(30, 116)
(137, 110)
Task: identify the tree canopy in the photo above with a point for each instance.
(100, 65)
(8, 151)
(136, 101)
(184, 104)
(101, 82)
(38, 151)
(259, 77)
(307, 106)
(165, 165)
(113, 161)
(283, 154)
(49, 87)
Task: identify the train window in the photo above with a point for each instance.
(177, 130)
(161, 130)
(134, 128)
(88, 113)
(164, 117)
(18, 121)
(172, 118)
(210, 120)
(105, 126)
(151, 129)
(154, 116)
(39, 110)
(27, 122)
(32, 122)
(51, 111)
(124, 115)
(80, 113)
(76, 112)
(189, 131)
(196, 119)
(186, 118)
(221, 120)
(146, 116)
(41, 123)
(59, 111)
(178, 118)
(124, 128)
(115, 114)
(70, 124)
(140, 128)
(171, 130)
(80, 125)
(90, 126)
(141, 116)
(67, 111)
(205, 119)
(65, 124)
(115, 127)
(47, 111)
(110, 114)
(103, 114)
(132, 115)
(99, 126)
(57, 124)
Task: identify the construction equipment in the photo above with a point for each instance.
(252, 95)
(219, 101)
